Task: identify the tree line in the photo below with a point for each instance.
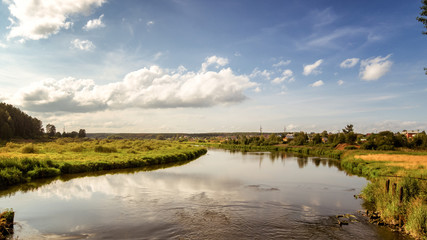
(16, 124)
(385, 140)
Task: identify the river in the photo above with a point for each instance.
(222, 195)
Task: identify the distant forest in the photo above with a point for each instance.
(15, 123)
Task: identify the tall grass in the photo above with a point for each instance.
(61, 157)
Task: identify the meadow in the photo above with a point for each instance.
(23, 162)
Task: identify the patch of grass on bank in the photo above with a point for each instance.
(406, 197)
(50, 159)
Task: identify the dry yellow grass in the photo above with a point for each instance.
(401, 160)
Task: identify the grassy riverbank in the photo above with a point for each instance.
(397, 191)
(23, 162)
(398, 187)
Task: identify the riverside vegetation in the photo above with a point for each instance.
(395, 166)
(23, 162)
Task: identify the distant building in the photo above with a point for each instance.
(410, 134)
(324, 139)
(289, 137)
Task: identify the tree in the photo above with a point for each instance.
(348, 129)
(422, 18)
(423, 14)
(317, 139)
(82, 133)
(50, 130)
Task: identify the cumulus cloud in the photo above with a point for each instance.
(84, 45)
(317, 83)
(94, 23)
(151, 87)
(35, 19)
(373, 68)
(287, 75)
(349, 63)
(312, 68)
(66, 95)
(2, 45)
(282, 63)
(340, 82)
(214, 60)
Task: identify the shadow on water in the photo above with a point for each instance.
(37, 183)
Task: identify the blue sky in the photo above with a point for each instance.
(215, 66)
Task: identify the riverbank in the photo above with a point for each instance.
(23, 162)
(397, 192)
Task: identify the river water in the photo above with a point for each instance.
(222, 195)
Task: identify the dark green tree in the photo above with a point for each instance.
(422, 18)
(50, 130)
(82, 133)
(348, 129)
(317, 139)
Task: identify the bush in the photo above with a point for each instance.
(43, 173)
(29, 148)
(103, 149)
(10, 176)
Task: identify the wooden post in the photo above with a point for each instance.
(401, 195)
(387, 185)
(393, 189)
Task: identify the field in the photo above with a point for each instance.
(22, 162)
(401, 160)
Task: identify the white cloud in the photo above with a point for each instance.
(287, 75)
(258, 73)
(349, 63)
(317, 84)
(157, 56)
(150, 23)
(373, 68)
(152, 87)
(35, 19)
(312, 68)
(340, 82)
(214, 60)
(94, 23)
(84, 45)
(2, 45)
(282, 63)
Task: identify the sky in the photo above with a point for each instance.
(195, 66)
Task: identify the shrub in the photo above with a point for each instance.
(103, 149)
(77, 149)
(43, 172)
(29, 148)
(10, 176)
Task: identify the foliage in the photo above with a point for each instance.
(15, 123)
(413, 207)
(50, 130)
(29, 148)
(423, 14)
(6, 223)
(67, 155)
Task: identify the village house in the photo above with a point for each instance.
(410, 134)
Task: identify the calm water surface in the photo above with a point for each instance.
(222, 195)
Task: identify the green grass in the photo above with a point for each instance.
(66, 156)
